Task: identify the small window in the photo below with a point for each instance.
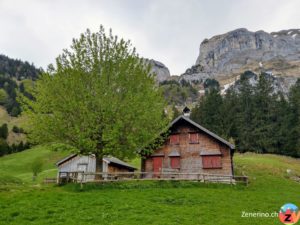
(174, 139)
(211, 162)
(194, 138)
(175, 162)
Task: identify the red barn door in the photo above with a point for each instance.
(157, 165)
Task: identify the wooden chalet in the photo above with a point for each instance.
(190, 149)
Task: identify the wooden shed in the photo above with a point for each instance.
(190, 148)
(79, 163)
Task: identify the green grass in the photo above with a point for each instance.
(146, 202)
(18, 165)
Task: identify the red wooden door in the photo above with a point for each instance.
(157, 165)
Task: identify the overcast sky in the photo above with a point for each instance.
(169, 31)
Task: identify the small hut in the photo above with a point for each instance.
(81, 163)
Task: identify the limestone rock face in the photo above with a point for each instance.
(161, 71)
(234, 52)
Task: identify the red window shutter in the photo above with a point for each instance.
(217, 161)
(194, 138)
(174, 139)
(175, 162)
(206, 162)
(210, 162)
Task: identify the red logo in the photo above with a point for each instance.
(289, 214)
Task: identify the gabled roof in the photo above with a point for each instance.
(111, 159)
(179, 118)
(65, 159)
(108, 159)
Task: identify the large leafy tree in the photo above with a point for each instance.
(99, 98)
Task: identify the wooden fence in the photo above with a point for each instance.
(86, 177)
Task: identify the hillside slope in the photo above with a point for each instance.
(18, 165)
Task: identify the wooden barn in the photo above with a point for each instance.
(79, 163)
(189, 149)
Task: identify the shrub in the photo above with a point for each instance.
(36, 167)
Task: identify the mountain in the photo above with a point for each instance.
(15, 75)
(18, 69)
(161, 71)
(227, 55)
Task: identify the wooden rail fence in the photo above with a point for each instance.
(86, 177)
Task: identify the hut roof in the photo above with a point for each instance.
(180, 118)
(114, 160)
(108, 159)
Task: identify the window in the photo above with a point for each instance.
(211, 162)
(175, 162)
(194, 138)
(174, 139)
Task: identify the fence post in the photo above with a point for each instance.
(81, 181)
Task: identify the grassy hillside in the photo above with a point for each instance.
(147, 202)
(18, 166)
(12, 121)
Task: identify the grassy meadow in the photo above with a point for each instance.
(23, 201)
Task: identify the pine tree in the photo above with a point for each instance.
(294, 98)
(244, 115)
(208, 111)
(4, 131)
(228, 111)
(264, 115)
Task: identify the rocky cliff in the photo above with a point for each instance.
(161, 71)
(225, 56)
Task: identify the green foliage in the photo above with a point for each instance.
(3, 131)
(208, 112)
(17, 130)
(4, 148)
(254, 117)
(3, 96)
(176, 112)
(18, 69)
(99, 98)
(37, 166)
(179, 93)
(211, 84)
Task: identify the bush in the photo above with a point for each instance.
(3, 131)
(17, 130)
(36, 167)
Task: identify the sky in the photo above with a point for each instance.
(169, 31)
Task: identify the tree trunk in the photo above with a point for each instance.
(99, 167)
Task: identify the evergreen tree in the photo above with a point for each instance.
(3, 131)
(208, 111)
(264, 115)
(228, 112)
(244, 115)
(294, 99)
(282, 126)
